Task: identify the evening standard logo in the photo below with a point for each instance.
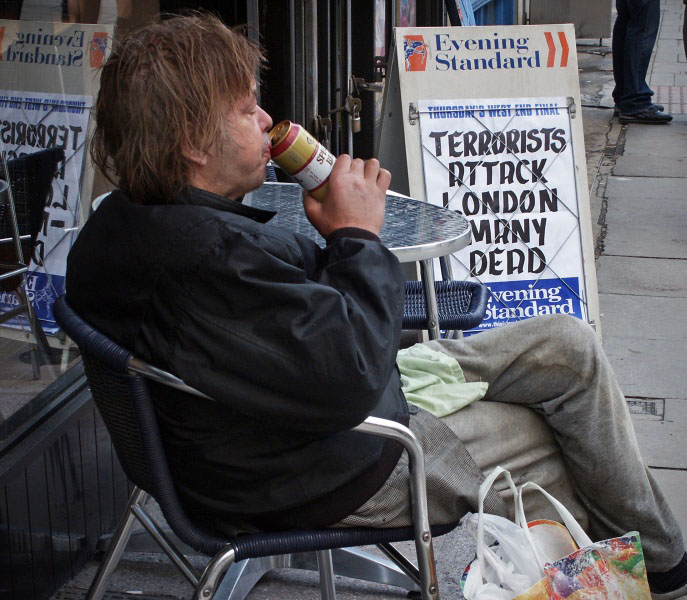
(98, 49)
(415, 51)
(497, 52)
(64, 50)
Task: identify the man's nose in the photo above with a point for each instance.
(266, 120)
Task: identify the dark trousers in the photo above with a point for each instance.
(634, 36)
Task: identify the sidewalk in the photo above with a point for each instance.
(642, 267)
(638, 191)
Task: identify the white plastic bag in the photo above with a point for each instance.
(499, 572)
(503, 571)
(578, 534)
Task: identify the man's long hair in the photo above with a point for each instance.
(164, 90)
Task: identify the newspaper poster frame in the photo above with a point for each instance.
(485, 65)
(49, 74)
(508, 167)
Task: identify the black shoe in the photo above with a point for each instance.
(658, 107)
(670, 585)
(649, 116)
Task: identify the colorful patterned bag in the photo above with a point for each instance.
(608, 570)
(611, 569)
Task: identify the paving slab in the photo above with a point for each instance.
(674, 484)
(646, 368)
(660, 277)
(646, 187)
(668, 54)
(662, 438)
(660, 140)
(643, 317)
(648, 228)
(636, 165)
(663, 79)
(666, 69)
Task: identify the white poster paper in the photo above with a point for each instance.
(507, 164)
(31, 121)
(49, 74)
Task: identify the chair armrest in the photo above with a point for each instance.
(395, 431)
(418, 487)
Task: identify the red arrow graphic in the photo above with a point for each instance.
(551, 61)
(552, 49)
(564, 44)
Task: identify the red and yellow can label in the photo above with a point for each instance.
(302, 157)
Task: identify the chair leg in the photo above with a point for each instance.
(41, 341)
(242, 576)
(399, 559)
(358, 564)
(156, 532)
(228, 579)
(116, 547)
(326, 570)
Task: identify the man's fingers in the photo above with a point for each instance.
(383, 179)
(342, 163)
(372, 168)
(358, 165)
(311, 206)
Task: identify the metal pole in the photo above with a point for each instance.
(427, 276)
(311, 71)
(349, 72)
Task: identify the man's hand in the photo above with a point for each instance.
(355, 197)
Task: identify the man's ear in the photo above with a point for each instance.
(197, 157)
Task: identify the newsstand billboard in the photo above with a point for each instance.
(49, 75)
(486, 121)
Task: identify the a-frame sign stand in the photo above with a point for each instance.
(487, 121)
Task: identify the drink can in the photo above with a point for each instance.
(302, 157)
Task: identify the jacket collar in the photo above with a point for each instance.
(200, 197)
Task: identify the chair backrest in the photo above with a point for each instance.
(30, 179)
(30, 176)
(461, 304)
(123, 400)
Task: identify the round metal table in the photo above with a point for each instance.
(413, 231)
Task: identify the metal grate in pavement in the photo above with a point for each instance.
(647, 407)
(674, 98)
(72, 593)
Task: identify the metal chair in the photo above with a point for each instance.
(22, 204)
(119, 384)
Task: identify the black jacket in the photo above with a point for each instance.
(294, 342)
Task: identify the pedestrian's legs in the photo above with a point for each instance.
(555, 365)
(618, 47)
(640, 30)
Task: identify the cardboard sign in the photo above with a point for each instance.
(485, 121)
(49, 79)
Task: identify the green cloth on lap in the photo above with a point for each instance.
(434, 381)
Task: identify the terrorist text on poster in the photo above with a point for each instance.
(508, 166)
